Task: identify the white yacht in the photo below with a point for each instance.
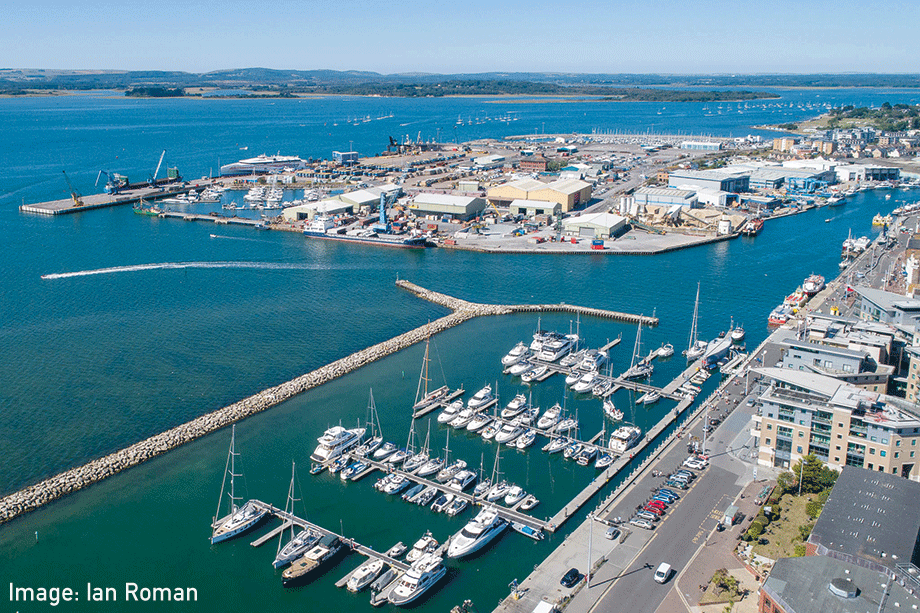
(550, 418)
(480, 421)
(519, 351)
(520, 368)
(508, 432)
(440, 505)
(586, 383)
(423, 574)
(363, 576)
(463, 418)
(514, 495)
(527, 418)
(517, 404)
(334, 441)
(446, 474)
(462, 480)
(569, 423)
(426, 544)
(480, 398)
(384, 451)
(592, 360)
(555, 348)
(666, 350)
(263, 164)
(696, 347)
(623, 438)
(612, 411)
(526, 440)
(497, 491)
(534, 374)
(450, 412)
(477, 533)
(240, 519)
(430, 467)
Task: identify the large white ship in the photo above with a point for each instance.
(263, 164)
(479, 531)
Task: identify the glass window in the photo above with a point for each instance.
(801, 434)
(897, 453)
(799, 449)
(871, 451)
(766, 441)
(882, 453)
(897, 443)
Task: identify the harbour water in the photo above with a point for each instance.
(96, 362)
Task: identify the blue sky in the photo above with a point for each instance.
(715, 36)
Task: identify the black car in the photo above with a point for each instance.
(571, 577)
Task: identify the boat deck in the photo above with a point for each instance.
(440, 404)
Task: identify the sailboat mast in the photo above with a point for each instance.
(423, 376)
(696, 307)
(288, 507)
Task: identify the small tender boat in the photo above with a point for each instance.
(396, 550)
(534, 533)
(666, 350)
(515, 494)
(365, 574)
(529, 503)
(456, 507)
(444, 500)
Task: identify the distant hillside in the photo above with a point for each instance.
(329, 81)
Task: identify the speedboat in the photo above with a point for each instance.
(498, 491)
(534, 533)
(384, 451)
(529, 503)
(602, 389)
(396, 550)
(446, 474)
(353, 469)
(296, 547)
(477, 533)
(623, 438)
(456, 507)
(450, 412)
(462, 480)
(526, 440)
(479, 422)
(364, 575)
(426, 496)
(514, 495)
(426, 544)
(440, 505)
(517, 404)
(480, 398)
(430, 467)
(422, 575)
(508, 432)
(335, 441)
(339, 464)
(649, 398)
(490, 431)
(573, 377)
(412, 492)
(550, 418)
(666, 350)
(517, 352)
(396, 485)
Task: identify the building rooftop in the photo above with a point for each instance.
(527, 185)
(666, 191)
(802, 585)
(870, 516)
(605, 220)
(567, 186)
(709, 175)
(888, 300)
(444, 199)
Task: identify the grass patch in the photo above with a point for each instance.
(784, 534)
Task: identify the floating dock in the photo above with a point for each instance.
(101, 201)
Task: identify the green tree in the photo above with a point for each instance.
(755, 530)
(815, 477)
(787, 482)
(800, 550)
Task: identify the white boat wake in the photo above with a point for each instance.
(180, 265)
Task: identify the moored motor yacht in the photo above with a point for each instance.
(426, 544)
(324, 551)
(421, 576)
(480, 398)
(623, 438)
(519, 368)
(515, 494)
(480, 421)
(477, 533)
(566, 424)
(666, 350)
(517, 404)
(517, 352)
(527, 418)
(335, 441)
(489, 432)
(557, 444)
(440, 505)
(585, 383)
(450, 412)
(499, 490)
(550, 418)
(447, 473)
(364, 575)
(456, 507)
(526, 440)
(508, 432)
(384, 451)
(464, 418)
(462, 480)
(611, 411)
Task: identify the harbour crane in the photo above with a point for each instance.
(114, 181)
(77, 198)
(153, 179)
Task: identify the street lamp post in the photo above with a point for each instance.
(590, 534)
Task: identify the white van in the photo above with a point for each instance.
(663, 573)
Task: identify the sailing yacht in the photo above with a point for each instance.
(696, 347)
(641, 369)
(240, 519)
(303, 541)
(424, 398)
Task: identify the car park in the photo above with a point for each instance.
(695, 464)
(667, 492)
(682, 485)
(667, 500)
(647, 516)
(687, 473)
(570, 578)
(658, 504)
(654, 510)
(612, 533)
(642, 523)
(663, 573)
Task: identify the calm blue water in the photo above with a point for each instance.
(93, 363)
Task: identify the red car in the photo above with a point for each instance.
(657, 504)
(654, 510)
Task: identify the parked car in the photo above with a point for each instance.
(612, 533)
(695, 464)
(570, 578)
(687, 473)
(665, 499)
(647, 516)
(654, 510)
(663, 573)
(682, 485)
(667, 492)
(642, 523)
(658, 504)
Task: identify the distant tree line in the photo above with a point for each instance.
(153, 91)
(888, 117)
